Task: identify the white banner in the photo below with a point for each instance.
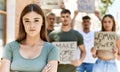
(105, 40)
(86, 6)
(50, 4)
(67, 51)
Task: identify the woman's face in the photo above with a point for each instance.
(108, 24)
(32, 23)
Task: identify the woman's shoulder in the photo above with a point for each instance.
(12, 44)
(50, 46)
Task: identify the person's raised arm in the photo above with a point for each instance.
(62, 5)
(73, 20)
(97, 14)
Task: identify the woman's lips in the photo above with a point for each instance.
(32, 30)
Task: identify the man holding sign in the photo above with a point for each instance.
(67, 51)
(67, 34)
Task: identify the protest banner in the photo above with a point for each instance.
(50, 4)
(105, 40)
(67, 51)
(86, 6)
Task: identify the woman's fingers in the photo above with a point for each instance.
(48, 67)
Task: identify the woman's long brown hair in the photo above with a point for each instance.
(114, 25)
(22, 33)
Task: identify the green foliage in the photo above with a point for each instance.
(104, 6)
(104, 1)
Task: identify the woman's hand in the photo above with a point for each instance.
(115, 51)
(51, 66)
(117, 54)
(47, 68)
(94, 51)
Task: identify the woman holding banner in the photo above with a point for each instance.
(106, 58)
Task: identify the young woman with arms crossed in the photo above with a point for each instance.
(30, 52)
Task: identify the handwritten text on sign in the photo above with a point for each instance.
(86, 6)
(67, 51)
(104, 40)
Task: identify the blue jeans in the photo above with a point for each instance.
(105, 66)
(85, 67)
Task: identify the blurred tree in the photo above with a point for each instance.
(105, 4)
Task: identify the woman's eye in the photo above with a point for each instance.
(104, 22)
(27, 21)
(36, 20)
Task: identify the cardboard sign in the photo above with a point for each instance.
(105, 40)
(50, 4)
(67, 51)
(86, 6)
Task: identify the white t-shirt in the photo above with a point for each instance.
(57, 26)
(89, 43)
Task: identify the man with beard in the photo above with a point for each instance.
(88, 37)
(67, 34)
(51, 20)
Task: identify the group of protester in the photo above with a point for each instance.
(33, 51)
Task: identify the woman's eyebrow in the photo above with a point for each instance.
(26, 18)
(36, 18)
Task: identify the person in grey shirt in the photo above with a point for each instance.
(67, 34)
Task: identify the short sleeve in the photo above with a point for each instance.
(51, 36)
(79, 38)
(54, 35)
(7, 52)
(53, 53)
